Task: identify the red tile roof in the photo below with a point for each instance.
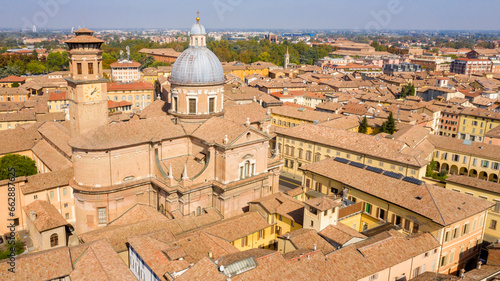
(57, 96)
(12, 79)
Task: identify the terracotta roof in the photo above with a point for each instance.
(340, 233)
(118, 233)
(138, 85)
(488, 151)
(323, 203)
(50, 156)
(83, 30)
(343, 123)
(308, 238)
(239, 113)
(473, 182)
(53, 96)
(129, 133)
(282, 204)
(411, 135)
(116, 104)
(84, 39)
(169, 52)
(435, 203)
(44, 265)
(165, 255)
(493, 133)
(25, 138)
(127, 64)
(12, 79)
(307, 114)
(236, 227)
(374, 146)
(56, 134)
(98, 261)
(47, 216)
(47, 181)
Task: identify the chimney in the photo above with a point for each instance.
(33, 215)
(210, 255)
(479, 263)
(226, 140)
(288, 236)
(247, 123)
(314, 247)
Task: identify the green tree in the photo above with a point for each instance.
(35, 67)
(264, 56)
(391, 124)
(22, 165)
(363, 127)
(15, 85)
(18, 246)
(407, 90)
(431, 168)
(57, 61)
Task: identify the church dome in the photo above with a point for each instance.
(197, 66)
(198, 29)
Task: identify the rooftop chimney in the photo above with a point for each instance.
(33, 215)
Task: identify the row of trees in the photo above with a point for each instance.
(16, 64)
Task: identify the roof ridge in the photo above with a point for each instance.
(434, 201)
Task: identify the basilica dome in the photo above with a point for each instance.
(197, 65)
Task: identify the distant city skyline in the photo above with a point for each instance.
(256, 14)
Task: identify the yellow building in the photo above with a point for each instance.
(283, 212)
(150, 75)
(140, 94)
(464, 157)
(310, 143)
(57, 102)
(241, 70)
(485, 190)
(411, 205)
(8, 81)
(476, 122)
(291, 116)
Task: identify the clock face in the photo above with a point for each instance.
(92, 92)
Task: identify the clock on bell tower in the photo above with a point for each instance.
(87, 92)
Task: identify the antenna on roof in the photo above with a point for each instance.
(128, 52)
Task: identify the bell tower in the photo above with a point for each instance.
(87, 92)
(287, 59)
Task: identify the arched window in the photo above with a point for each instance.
(54, 240)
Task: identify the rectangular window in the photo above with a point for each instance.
(91, 68)
(67, 216)
(65, 191)
(443, 261)
(51, 194)
(101, 215)
(211, 105)
(465, 159)
(446, 236)
(436, 154)
(455, 232)
(456, 157)
(485, 163)
(445, 156)
(465, 230)
(79, 68)
(474, 162)
(192, 106)
(261, 234)
(308, 182)
(496, 208)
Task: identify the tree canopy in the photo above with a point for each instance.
(23, 166)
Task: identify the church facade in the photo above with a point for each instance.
(192, 153)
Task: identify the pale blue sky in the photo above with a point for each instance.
(258, 14)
